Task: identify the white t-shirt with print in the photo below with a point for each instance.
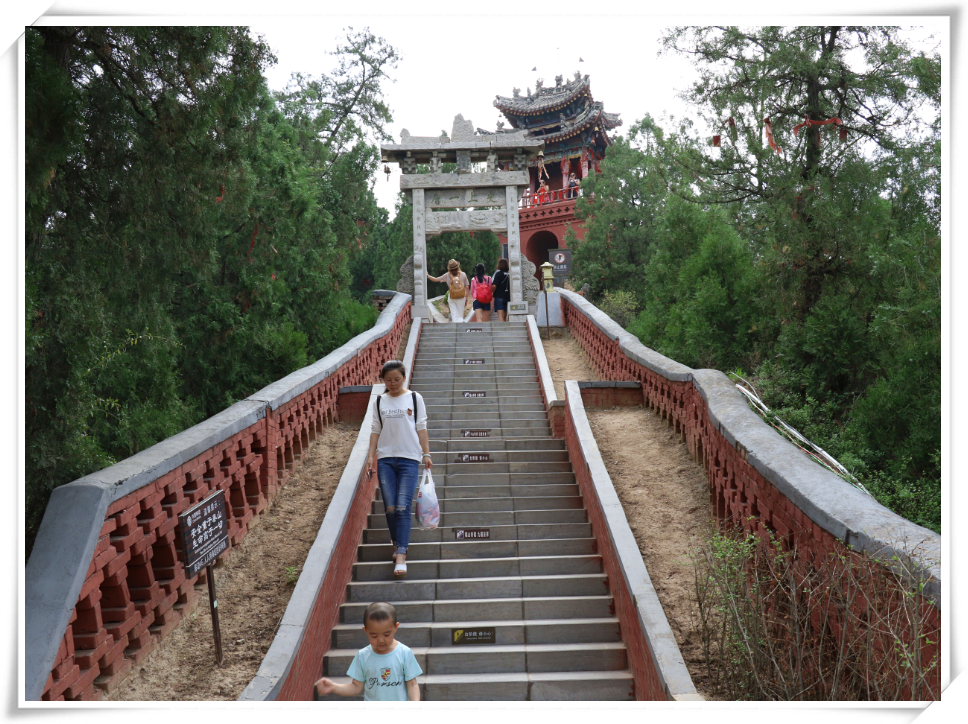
(397, 431)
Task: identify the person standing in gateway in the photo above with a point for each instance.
(457, 287)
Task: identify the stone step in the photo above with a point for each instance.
(489, 609)
(457, 492)
(524, 686)
(470, 444)
(418, 570)
(491, 418)
(461, 549)
(445, 465)
(504, 423)
(496, 532)
(511, 457)
(506, 633)
(460, 406)
(491, 658)
(542, 444)
(457, 433)
(484, 479)
(472, 505)
(503, 387)
(583, 584)
(492, 518)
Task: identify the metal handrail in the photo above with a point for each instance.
(552, 196)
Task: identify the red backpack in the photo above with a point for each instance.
(482, 292)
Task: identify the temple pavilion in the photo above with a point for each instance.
(574, 127)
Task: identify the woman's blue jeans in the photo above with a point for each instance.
(398, 484)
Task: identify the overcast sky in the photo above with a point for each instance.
(454, 65)
(457, 64)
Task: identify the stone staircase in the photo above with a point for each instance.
(535, 583)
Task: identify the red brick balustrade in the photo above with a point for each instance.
(738, 489)
(135, 590)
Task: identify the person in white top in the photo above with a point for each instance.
(457, 288)
(399, 441)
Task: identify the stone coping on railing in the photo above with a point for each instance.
(541, 359)
(69, 531)
(830, 502)
(293, 385)
(278, 661)
(628, 343)
(674, 678)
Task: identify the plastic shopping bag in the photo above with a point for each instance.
(428, 509)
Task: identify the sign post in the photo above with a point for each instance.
(205, 536)
(561, 261)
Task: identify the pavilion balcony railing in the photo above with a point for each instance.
(553, 196)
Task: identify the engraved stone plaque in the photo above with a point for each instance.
(462, 198)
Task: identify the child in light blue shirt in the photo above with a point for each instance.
(386, 670)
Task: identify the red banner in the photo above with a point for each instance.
(769, 135)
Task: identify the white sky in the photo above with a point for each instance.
(454, 65)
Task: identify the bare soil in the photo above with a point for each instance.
(253, 584)
(663, 493)
(566, 360)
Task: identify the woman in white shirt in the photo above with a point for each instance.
(398, 442)
(457, 288)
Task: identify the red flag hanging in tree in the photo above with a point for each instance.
(769, 135)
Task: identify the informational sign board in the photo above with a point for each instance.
(475, 393)
(474, 329)
(473, 361)
(473, 458)
(468, 636)
(472, 533)
(205, 536)
(475, 433)
(518, 308)
(204, 533)
(561, 259)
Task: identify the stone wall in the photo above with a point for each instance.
(105, 583)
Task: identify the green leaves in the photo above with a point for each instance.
(817, 269)
(168, 191)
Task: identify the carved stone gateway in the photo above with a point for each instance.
(477, 196)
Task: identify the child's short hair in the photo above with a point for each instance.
(380, 611)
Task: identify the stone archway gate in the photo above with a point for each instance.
(464, 200)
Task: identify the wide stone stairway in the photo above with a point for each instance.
(507, 599)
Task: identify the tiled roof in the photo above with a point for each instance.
(592, 114)
(544, 99)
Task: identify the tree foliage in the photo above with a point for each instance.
(189, 234)
(815, 268)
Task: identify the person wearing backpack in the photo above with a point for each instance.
(482, 290)
(457, 285)
(502, 290)
(399, 441)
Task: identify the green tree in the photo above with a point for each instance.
(189, 234)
